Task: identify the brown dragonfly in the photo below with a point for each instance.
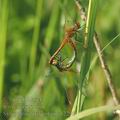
(59, 63)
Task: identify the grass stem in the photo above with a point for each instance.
(3, 38)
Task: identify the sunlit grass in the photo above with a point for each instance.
(3, 38)
(86, 57)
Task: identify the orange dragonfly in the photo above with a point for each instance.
(67, 39)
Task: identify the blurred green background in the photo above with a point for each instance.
(31, 31)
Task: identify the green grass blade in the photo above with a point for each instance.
(92, 111)
(85, 60)
(90, 23)
(110, 42)
(3, 38)
(35, 38)
(96, 56)
(74, 106)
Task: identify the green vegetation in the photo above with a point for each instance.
(3, 37)
(31, 88)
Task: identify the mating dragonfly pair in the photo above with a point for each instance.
(59, 62)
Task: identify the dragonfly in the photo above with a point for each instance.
(59, 63)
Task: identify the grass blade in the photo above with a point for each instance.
(85, 60)
(3, 38)
(92, 111)
(35, 37)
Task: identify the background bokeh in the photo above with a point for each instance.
(33, 89)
